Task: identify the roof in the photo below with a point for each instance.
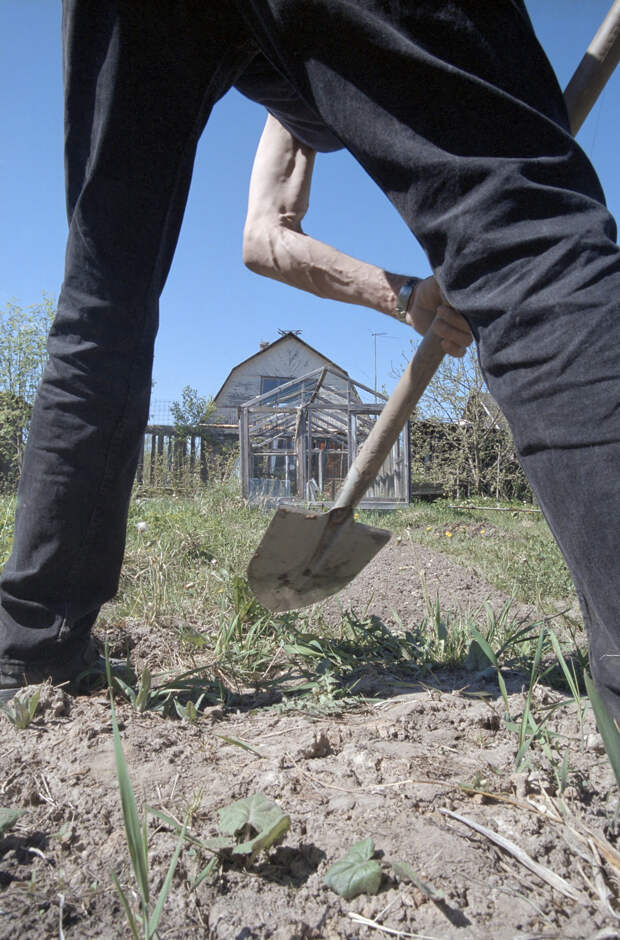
(277, 413)
(285, 336)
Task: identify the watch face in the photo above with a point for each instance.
(404, 296)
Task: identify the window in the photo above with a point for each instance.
(269, 382)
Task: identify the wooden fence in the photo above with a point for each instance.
(166, 457)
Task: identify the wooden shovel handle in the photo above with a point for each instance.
(391, 421)
(601, 58)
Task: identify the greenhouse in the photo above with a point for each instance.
(299, 439)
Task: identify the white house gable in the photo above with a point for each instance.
(287, 358)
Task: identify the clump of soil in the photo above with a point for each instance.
(389, 770)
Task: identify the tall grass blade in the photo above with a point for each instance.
(206, 871)
(142, 698)
(528, 720)
(484, 645)
(165, 888)
(606, 726)
(563, 772)
(128, 911)
(136, 836)
(504, 692)
(133, 828)
(528, 632)
(568, 675)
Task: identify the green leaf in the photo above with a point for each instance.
(476, 659)
(220, 844)
(239, 743)
(256, 811)
(126, 689)
(255, 814)
(504, 692)
(142, 698)
(32, 704)
(356, 873)
(8, 818)
(568, 675)
(206, 871)
(404, 872)
(136, 835)
(177, 827)
(483, 648)
(133, 828)
(264, 840)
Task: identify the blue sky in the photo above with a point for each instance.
(214, 313)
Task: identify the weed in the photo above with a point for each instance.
(357, 873)
(177, 694)
(249, 827)
(141, 697)
(22, 709)
(144, 922)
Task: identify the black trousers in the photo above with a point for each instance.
(452, 108)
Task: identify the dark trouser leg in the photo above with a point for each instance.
(452, 108)
(140, 78)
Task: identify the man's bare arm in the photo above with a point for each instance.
(275, 245)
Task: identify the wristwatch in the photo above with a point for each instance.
(404, 296)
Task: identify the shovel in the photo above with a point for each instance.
(306, 556)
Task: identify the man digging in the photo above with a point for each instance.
(453, 109)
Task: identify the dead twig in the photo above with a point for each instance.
(545, 874)
(496, 508)
(374, 787)
(366, 922)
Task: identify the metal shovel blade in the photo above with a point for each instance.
(306, 556)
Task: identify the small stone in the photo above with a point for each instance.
(594, 742)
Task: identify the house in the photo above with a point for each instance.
(274, 364)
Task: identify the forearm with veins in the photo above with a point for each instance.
(275, 246)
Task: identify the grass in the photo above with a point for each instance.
(512, 550)
(183, 577)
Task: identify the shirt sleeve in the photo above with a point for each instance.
(261, 82)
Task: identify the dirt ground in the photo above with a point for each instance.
(393, 770)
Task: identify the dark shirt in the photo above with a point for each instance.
(262, 83)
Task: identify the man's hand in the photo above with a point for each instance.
(428, 308)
